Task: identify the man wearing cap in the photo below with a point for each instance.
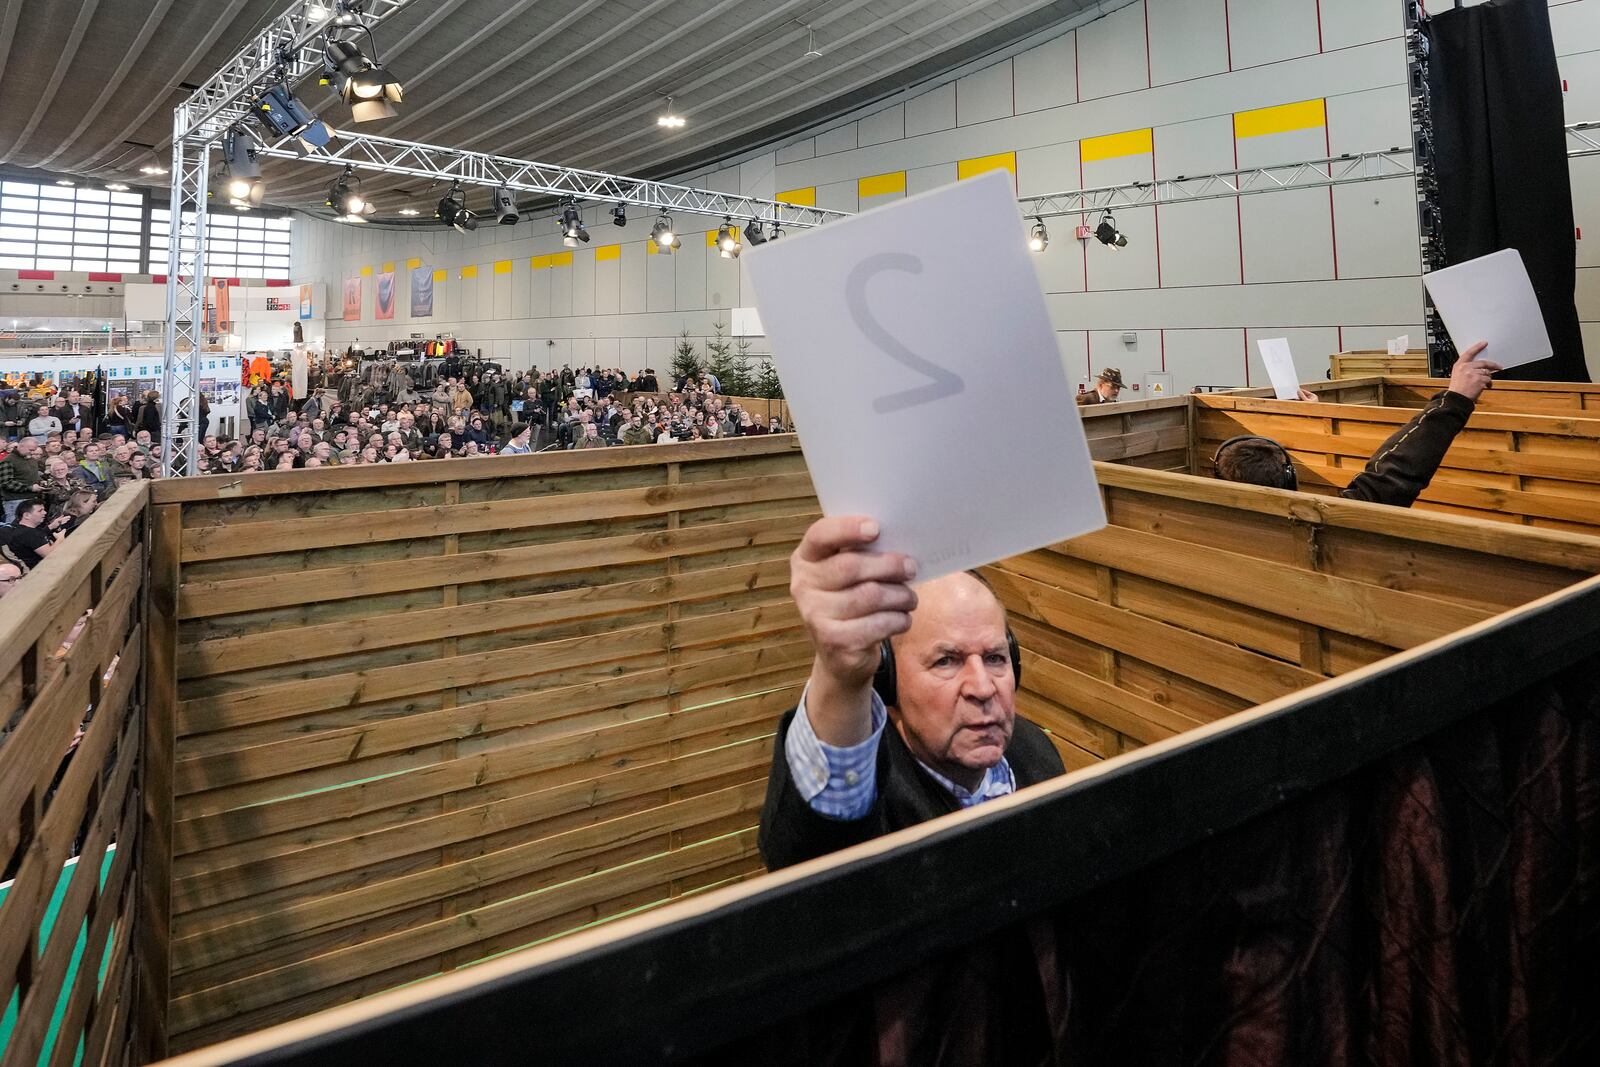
(1106, 388)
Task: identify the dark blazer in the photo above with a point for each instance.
(791, 832)
(1403, 465)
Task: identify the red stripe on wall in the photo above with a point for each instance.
(1157, 207)
(1319, 26)
(159, 279)
(278, 283)
(103, 277)
(1149, 73)
(1333, 226)
(1163, 350)
(1238, 210)
(1227, 33)
(37, 275)
(1077, 78)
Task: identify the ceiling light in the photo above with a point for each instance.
(152, 168)
(504, 202)
(369, 89)
(408, 211)
(453, 211)
(1038, 237)
(65, 181)
(669, 119)
(1108, 234)
(619, 214)
(117, 187)
(811, 44)
(728, 240)
(572, 228)
(753, 235)
(316, 14)
(284, 116)
(663, 235)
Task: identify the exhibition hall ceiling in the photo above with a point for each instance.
(90, 85)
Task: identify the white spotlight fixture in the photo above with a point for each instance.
(728, 240)
(370, 90)
(347, 202)
(504, 202)
(663, 235)
(1038, 237)
(572, 228)
(243, 168)
(669, 119)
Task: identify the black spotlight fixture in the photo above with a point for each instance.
(776, 231)
(1038, 237)
(1108, 234)
(665, 237)
(243, 168)
(283, 115)
(572, 228)
(505, 206)
(619, 214)
(453, 211)
(368, 88)
(753, 235)
(728, 246)
(346, 199)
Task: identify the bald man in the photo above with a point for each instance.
(869, 751)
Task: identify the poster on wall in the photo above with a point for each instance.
(422, 292)
(352, 299)
(384, 308)
(305, 303)
(219, 315)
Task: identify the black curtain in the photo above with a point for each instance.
(1500, 153)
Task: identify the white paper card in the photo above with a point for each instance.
(1280, 367)
(1492, 299)
(1400, 345)
(921, 365)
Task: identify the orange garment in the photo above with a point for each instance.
(261, 368)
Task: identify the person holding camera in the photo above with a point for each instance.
(910, 710)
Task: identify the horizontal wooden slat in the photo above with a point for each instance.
(202, 599)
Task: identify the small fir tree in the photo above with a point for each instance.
(719, 358)
(685, 363)
(766, 384)
(741, 380)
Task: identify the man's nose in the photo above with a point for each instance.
(978, 683)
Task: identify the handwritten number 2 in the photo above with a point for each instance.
(942, 382)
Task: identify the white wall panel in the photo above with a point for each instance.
(1074, 346)
(1266, 31)
(1107, 349)
(1199, 242)
(690, 261)
(1349, 22)
(796, 151)
(1378, 337)
(632, 353)
(1133, 267)
(607, 286)
(1371, 121)
(841, 139)
(838, 196)
(539, 292)
(985, 95)
(1311, 349)
(661, 281)
(560, 292)
(582, 281)
(882, 126)
(921, 179)
(500, 306)
(1188, 39)
(1287, 236)
(933, 110)
(1111, 55)
(1050, 169)
(1046, 76)
(521, 287)
(1376, 225)
(722, 280)
(1205, 357)
(631, 283)
(607, 352)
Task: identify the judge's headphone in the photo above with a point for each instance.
(1290, 480)
(887, 686)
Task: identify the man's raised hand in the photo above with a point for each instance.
(850, 599)
(1471, 376)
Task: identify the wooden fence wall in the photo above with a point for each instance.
(1506, 397)
(73, 773)
(1202, 598)
(1528, 469)
(425, 715)
(1361, 363)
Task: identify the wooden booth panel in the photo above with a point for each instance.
(1506, 397)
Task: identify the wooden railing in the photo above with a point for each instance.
(428, 714)
(1505, 397)
(1364, 362)
(78, 761)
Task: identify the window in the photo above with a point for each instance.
(61, 227)
(237, 245)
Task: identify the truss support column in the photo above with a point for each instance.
(186, 288)
(1441, 352)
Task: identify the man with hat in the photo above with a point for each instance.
(1106, 388)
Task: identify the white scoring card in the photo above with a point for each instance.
(922, 369)
(1279, 361)
(1491, 299)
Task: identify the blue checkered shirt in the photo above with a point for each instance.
(842, 783)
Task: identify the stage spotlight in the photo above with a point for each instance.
(619, 214)
(284, 116)
(347, 202)
(243, 168)
(728, 240)
(663, 235)
(776, 231)
(1038, 237)
(453, 211)
(572, 228)
(1108, 234)
(368, 88)
(753, 235)
(505, 206)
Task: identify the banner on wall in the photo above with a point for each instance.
(384, 308)
(305, 303)
(422, 292)
(352, 299)
(219, 316)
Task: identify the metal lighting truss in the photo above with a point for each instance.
(386, 155)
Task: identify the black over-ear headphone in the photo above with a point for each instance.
(1290, 479)
(885, 682)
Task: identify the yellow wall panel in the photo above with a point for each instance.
(971, 168)
(806, 197)
(502, 266)
(561, 259)
(413, 263)
(440, 275)
(469, 272)
(1116, 145)
(607, 252)
(881, 184)
(388, 268)
(1305, 115)
(366, 272)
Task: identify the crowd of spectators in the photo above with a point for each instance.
(59, 458)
